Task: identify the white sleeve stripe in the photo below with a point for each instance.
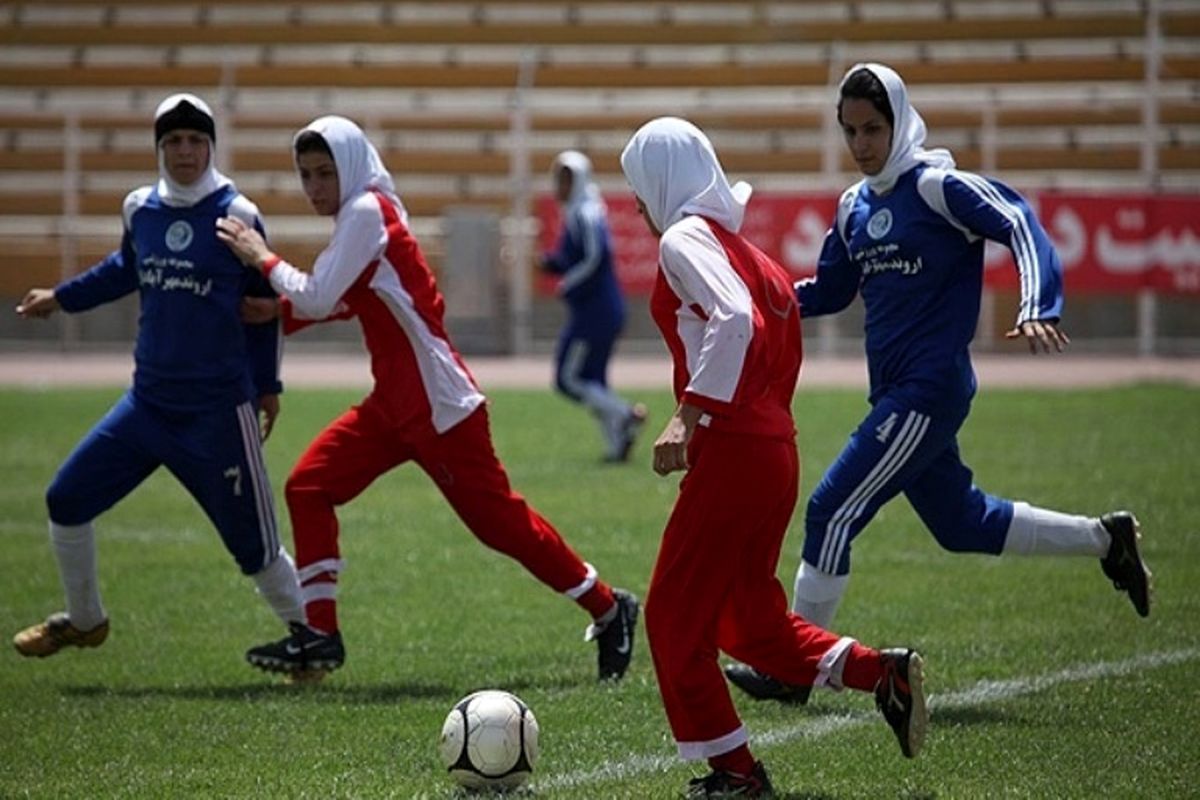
(1023, 250)
(243, 209)
(1022, 239)
(933, 191)
(583, 269)
(845, 206)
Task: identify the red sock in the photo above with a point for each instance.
(863, 668)
(322, 615)
(598, 600)
(737, 760)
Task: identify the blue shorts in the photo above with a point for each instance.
(216, 455)
(900, 447)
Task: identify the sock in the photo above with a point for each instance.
(736, 760)
(279, 586)
(818, 594)
(599, 602)
(1037, 531)
(862, 669)
(610, 411)
(75, 550)
(322, 616)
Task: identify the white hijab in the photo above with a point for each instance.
(673, 168)
(583, 188)
(179, 194)
(908, 132)
(358, 163)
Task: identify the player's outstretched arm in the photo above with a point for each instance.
(38, 303)
(1045, 333)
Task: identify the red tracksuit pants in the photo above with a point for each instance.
(361, 445)
(714, 588)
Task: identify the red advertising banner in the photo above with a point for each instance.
(1113, 243)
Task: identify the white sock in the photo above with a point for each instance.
(279, 586)
(75, 549)
(610, 410)
(818, 594)
(1037, 531)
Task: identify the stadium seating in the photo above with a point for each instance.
(1040, 90)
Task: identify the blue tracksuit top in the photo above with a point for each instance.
(584, 259)
(192, 351)
(916, 255)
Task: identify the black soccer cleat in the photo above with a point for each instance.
(720, 783)
(301, 651)
(1123, 564)
(762, 686)
(615, 639)
(900, 695)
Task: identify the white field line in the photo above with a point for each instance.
(981, 694)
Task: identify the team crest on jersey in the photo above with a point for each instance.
(179, 236)
(880, 223)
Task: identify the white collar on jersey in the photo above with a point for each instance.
(673, 168)
(178, 194)
(359, 166)
(908, 132)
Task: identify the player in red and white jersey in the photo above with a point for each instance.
(425, 406)
(725, 311)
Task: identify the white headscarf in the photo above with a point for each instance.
(358, 163)
(179, 194)
(908, 132)
(673, 169)
(583, 188)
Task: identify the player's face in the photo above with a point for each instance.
(319, 177)
(563, 181)
(185, 155)
(641, 209)
(868, 134)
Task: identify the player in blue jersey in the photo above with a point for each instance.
(200, 382)
(583, 260)
(909, 238)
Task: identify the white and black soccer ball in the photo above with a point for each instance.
(489, 741)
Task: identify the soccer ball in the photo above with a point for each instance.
(489, 741)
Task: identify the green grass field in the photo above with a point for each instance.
(1044, 682)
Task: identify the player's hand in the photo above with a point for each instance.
(38, 304)
(1045, 333)
(268, 409)
(245, 242)
(257, 310)
(670, 448)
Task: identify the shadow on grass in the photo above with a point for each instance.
(971, 715)
(905, 795)
(365, 695)
(327, 691)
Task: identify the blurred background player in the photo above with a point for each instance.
(588, 285)
(425, 406)
(200, 379)
(910, 239)
(733, 330)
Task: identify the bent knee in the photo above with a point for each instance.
(64, 505)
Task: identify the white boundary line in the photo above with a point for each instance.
(981, 694)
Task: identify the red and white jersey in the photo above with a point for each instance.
(732, 326)
(373, 269)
